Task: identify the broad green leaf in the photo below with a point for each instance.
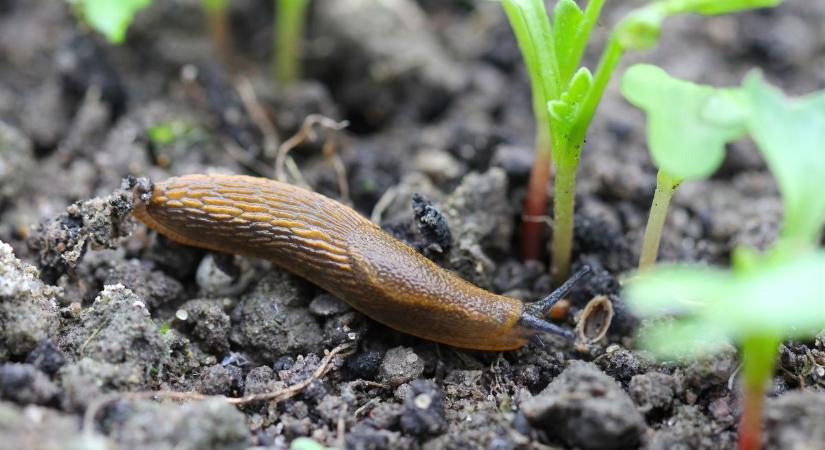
(715, 7)
(675, 289)
(111, 17)
(681, 339)
(790, 134)
(688, 124)
(567, 20)
(782, 298)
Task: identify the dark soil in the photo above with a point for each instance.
(94, 306)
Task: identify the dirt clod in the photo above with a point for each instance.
(585, 408)
(28, 308)
(269, 322)
(423, 409)
(652, 392)
(400, 365)
(24, 384)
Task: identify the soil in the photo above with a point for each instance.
(95, 308)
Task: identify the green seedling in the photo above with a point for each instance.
(764, 298)
(289, 30)
(217, 19)
(565, 96)
(108, 17)
(688, 127)
(305, 443)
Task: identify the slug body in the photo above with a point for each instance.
(339, 250)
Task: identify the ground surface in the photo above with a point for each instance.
(437, 104)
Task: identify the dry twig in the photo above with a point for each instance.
(276, 396)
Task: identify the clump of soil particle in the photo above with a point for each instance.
(24, 384)
(423, 409)
(207, 323)
(60, 242)
(271, 319)
(202, 425)
(585, 408)
(794, 420)
(44, 429)
(28, 308)
(400, 365)
(406, 72)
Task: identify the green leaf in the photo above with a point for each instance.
(791, 137)
(565, 110)
(715, 7)
(680, 339)
(567, 19)
(688, 124)
(305, 443)
(111, 17)
(215, 5)
(777, 297)
(640, 30)
(675, 289)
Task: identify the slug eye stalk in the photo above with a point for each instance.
(533, 316)
(542, 307)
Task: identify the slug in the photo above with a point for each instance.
(336, 248)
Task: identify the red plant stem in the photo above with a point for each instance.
(750, 424)
(535, 207)
(758, 359)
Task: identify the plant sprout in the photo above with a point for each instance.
(108, 17)
(305, 443)
(764, 298)
(289, 28)
(565, 96)
(688, 127)
(217, 18)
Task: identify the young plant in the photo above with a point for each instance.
(688, 127)
(565, 96)
(217, 19)
(764, 298)
(109, 18)
(289, 29)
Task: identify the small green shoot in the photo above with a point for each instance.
(108, 17)
(688, 127)
(305, 443)
(565, 96)
(165, 133)
(764, 298)
(217, 18)
(289, 29)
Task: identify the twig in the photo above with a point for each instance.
(258, 115)
(382, 204)
(276, 396)
(306, 132)
(244, 158)
(364, 407)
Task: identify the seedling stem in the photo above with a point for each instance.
(566, 159)
(759, 354)
(665, 185)
(217, 18)
(290, 19)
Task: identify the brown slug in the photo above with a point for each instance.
(341, 251)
